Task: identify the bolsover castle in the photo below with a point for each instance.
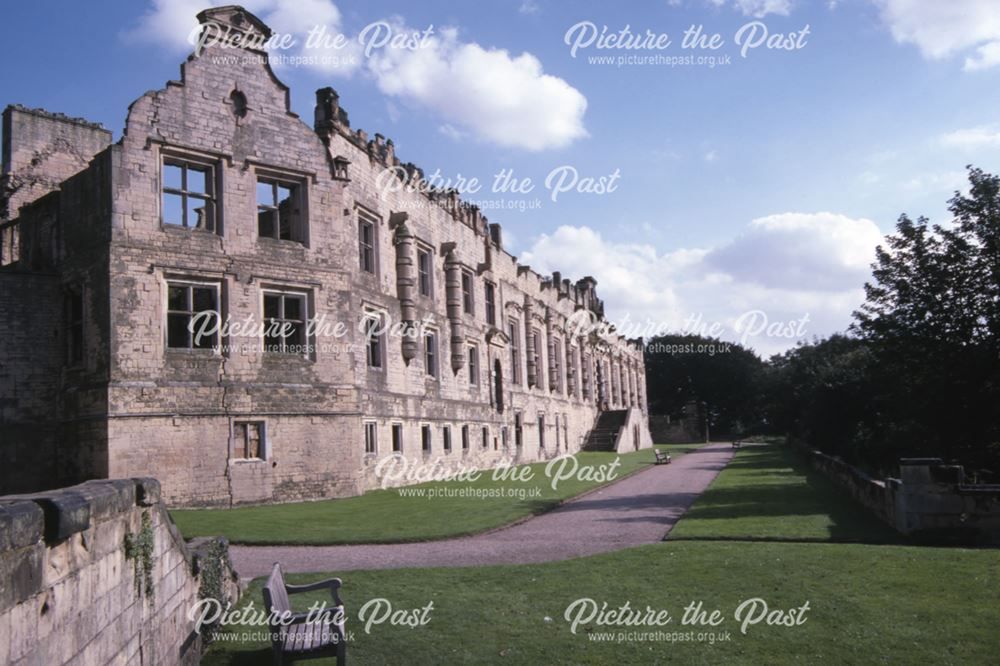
(219, 204)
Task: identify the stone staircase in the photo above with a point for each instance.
(605, 432)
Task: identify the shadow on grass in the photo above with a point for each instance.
(769, 493)
(247, 658)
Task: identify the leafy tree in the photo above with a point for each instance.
(820, 393)
(932, 320)
(681, 369)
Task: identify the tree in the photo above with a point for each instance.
(932, 321)
(681, 369)
(820, 394)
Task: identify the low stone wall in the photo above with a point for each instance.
(97, 573)
(875, 494)
(665, 430)
(930, 501)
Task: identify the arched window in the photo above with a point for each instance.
(239, 101)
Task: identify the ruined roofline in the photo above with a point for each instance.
(331, 118)
(55, 115)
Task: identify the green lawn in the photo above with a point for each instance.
(768, 492)
(385, 516)
(868, 604)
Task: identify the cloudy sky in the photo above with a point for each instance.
(758, 185)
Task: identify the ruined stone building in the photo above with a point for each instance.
(219, 203)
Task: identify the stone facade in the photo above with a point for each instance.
(219, 194)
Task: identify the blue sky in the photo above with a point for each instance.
(759, 185)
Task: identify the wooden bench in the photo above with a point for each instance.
(737, 443)
(662, 458)
(296, 637)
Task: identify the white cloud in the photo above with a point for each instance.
(452, 133)
(504, 99)
(528, 7)
(972, 138)
(786, 266)
(171, 23)
(813, 251)
(937, 181)
(761, 8)
(755, 8)
(168, 23)
(987, 55)
(711, 156)
(943, 28)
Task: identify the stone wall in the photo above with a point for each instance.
(41, 149)
(29, 382)
(875, 494)
(689, 427)
(634, 434)
(73, 592)
(930, 501)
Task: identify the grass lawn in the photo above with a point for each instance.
(769, 492)
(386, 516)
(868, 604)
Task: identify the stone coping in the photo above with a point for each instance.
(55, 515)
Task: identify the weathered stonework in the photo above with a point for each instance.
(70, 591)
(132, 405)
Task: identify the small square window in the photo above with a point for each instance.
(248, 440)
(446, 438)
(285, 318)
(187, 194)
(465, 438)
(192, 316)
(397, 437)
(279, 210)
(486, 437)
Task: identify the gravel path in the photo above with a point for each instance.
(637, 510)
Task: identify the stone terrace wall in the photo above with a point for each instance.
(930, 501)
(68, 591)
(876, 495)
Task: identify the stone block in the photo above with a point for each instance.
(147, 491)
(22, 523)
(108, 496)
(66, 513)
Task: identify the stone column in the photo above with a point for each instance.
(453, 299)
(529, 342)
(405, 283)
